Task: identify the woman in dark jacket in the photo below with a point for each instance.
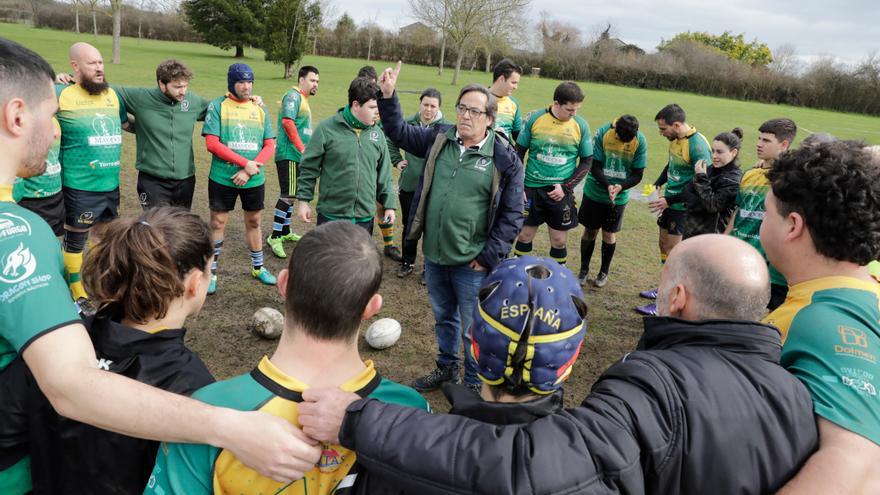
(147, 275)
(711, 196)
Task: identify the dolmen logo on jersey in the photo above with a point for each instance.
(330, 460)
(855, 344)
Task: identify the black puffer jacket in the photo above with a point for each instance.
(700, 407)
(710, 199)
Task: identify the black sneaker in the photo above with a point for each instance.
(405, 270)
(434, 379)
(393, 252)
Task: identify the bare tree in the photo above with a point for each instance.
(501, 34)
(93, 8)
(785, 60)
(435, 14)
(76, 5)
(116, 10)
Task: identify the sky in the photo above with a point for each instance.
(848, 30)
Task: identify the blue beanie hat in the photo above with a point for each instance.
(529, 324)
(238, 72)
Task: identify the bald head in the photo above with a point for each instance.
(722, 276)
(88, 67)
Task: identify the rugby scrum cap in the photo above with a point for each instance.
(238, 72)
(529, 324)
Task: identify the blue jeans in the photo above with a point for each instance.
(453, 292)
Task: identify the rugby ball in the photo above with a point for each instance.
(383, 333)
(267, 323)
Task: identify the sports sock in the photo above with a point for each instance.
(607, 254)
(522, 248)
(662, 259)
(387, 233)
(257, 259)
(73, 245)
(559, 254)
(281, 220)
(218, 247)
(587, 247)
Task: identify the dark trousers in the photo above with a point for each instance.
(409, 248)
(368, 226)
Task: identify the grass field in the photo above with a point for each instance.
(218, 332)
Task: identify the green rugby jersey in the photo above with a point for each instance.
(508, 118)
(91, 137)
(294, 106)
(750, 213)
(34, 298)
(831, 332)
(684, 153)
(619, 159)
(554, 147)
(49, 182)
(241, 126)
(193, 469)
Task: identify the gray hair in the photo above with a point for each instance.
(491, 101)
(716, 294)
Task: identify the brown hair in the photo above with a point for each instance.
(172, 70)
(139, 265)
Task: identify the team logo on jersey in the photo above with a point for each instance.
(330, 460)
(13, 225)
(374, 136)
(86, 218)
(184, 106)
(107, 133)
(482, 164)
(18, 265)
(855, 344)
(242, 139)
(853, 336)
(143, 198)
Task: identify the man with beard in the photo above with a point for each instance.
(91, 115)
(39, 325)
(294, 133)
(42, 193)
(686, 148)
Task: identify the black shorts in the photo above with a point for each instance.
(672, 221)
(222, 198)
(288, 171)
(558, 215)
(156, 191)
(50, 209)
(82, 209)
(368, 226)
(594, 215)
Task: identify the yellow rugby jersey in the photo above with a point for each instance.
(91, 137)
(508, 118)
(684, 153)
(554, 147)
(201, 469)
(241, 126)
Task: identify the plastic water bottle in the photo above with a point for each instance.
(651, 193)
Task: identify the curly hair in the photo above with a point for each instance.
(172, 70)
(835, 187)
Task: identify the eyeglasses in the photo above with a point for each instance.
(473, 112)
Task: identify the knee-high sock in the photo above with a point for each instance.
(559, 254)
(281, 219)
(587, 247)
(73, 245)
(387, 233)
(607, 254)
(522, 248)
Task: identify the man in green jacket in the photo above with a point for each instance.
(349, 155)
(411, 167)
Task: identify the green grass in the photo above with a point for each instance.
(217, 333)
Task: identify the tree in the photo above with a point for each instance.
(93, 8)
(286, 38)
(76, 5)
(499, 35)
(227, 23)
(345, 33)
(734, 47)
(434, 14)
(116, 9)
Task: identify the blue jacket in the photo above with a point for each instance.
(508, 201)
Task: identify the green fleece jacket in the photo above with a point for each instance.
(409, 178)
(353, 167)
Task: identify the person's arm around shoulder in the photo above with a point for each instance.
(64, 364)
(846, 463)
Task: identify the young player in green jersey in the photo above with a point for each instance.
(775, 136)
(560, 150)
(686, 148)
(821, 229)
(39, 324)
(620, 153)
(294, 133)
(505, 80)
(240, 136)
(91, 115)
(330, 286)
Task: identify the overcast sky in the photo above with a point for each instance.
(846, 29)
